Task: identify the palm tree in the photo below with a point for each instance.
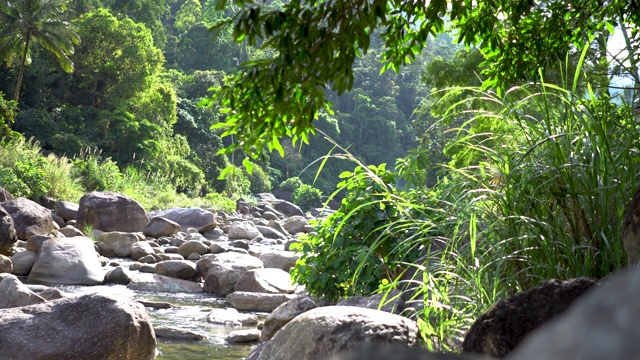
(27, 22)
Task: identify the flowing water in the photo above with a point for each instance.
(191, 313)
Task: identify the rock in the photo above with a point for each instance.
(231, 317)
(295, 224)
(194, 217)
(58, 220)
(222, 271)
(51, 294)
(35, 242)
(157, 304)
(284, 313)
(89, 327)
(70, 231)
(181, 269)
(161, 283)
(176, 333)
(240, 244)
(289, 209)
(215, 249)
(6, 266)
(161, 226)
(393, 302)
(322, 332)
(371, 351)
(271, 233)
(273, 281)
(243, 336)
(4, 195)
(67, 210)
(601, 325)
(140, 249)
(117, 243)
(118, 275)
(243, 230)
(242, 207)
(164, 257)
(8, 235)
(16, 294)
(29, 218)
(108, 211)
(192, 246)
(67, 261)
(501, 328)
(284, 260)
(213, 233)
(23, 262)
(249, 301)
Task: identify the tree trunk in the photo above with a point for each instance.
(16, 95)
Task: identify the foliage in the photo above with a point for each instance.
(58, 174)
(260, 182)
(95, 172)
(291, 184)
(350, 255)
(307, 197)
(41, 22)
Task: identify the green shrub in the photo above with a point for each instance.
(260, 181)
(10, 182)
(307, 197)
(96, 174)
(237, 183)
(291, 184)
(220, 202)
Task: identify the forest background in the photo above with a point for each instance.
(486, 167)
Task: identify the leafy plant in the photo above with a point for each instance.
(307, 197)
(291, 184)
(96, 173)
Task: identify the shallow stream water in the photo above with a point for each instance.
(191, 313)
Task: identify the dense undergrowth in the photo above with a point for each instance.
(536, 188)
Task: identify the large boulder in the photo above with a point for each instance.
(192, 246)
(273, 281)
(371, 351)
(181, 269)
(295, 224)
(140, 249)
(29, 218)
(160, 226)
(243, 230)
(194, 217)
(501, 328)
(16, 294)
(108, 211)
(231, 317)
(68, 261)
(284, 260)
(5, 195)
(322, 332)
(8, 236)
(222, 271)
(116, 243)
(6, 265)
(289, 209)
(601, 325)
(23, 262)
(89, 327)
(284, 313)
(251, 301)
(67, 210)
(271, 233)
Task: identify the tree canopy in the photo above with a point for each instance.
(317, 43)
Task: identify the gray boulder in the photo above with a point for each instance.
(501, 328)
(108, 211)
(176, 333)
(243, 336)
(222, 271)
(68, 261)
(243, 230)
(181, 269)
(194, 217)
(372, 351)
(295, 224)
(35, 242)
(6, 265)
(16, 294)
(160, 226)
(393, 302)
(23, 262)
(160, 283)
(29, 218)
(89, 327)
(284, 313)
(8, 236)
(231, 317)
(119, 275)
(67, 210)
(140, 249)
(4, 195)
(601, 325)
(289, 209)
(322, 332)
(271, 233)
(273, 281)
(192, 246)
(249, 301)
(284, 260)
(70, 231)
(116, 243)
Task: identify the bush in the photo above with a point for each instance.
(260, 181)
(96, 174)
(291, 184)
(25, 180)
(307, 197)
